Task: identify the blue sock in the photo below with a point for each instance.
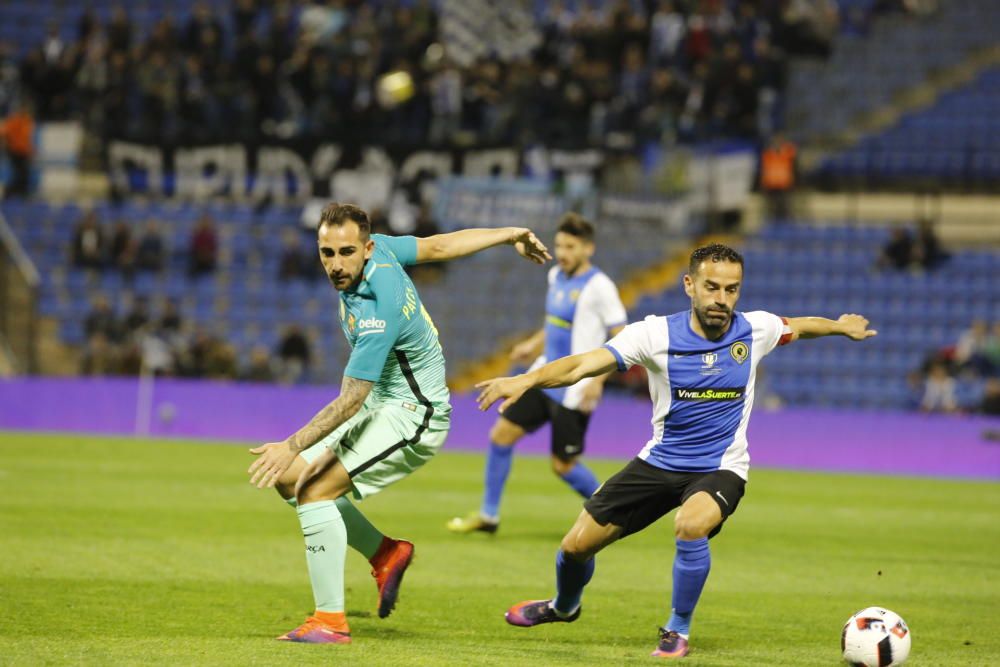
(691, 565)
(582, 480)
(571, 577)
(498, 462)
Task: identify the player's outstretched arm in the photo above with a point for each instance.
(559, 373)
(443, 247)
(853, 326)
(277, 457)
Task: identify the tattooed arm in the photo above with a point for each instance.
(277, 457)
(353, 393)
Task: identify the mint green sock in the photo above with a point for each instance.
(361, 534)
(326, 551)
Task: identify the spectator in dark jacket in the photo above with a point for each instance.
(898, 252)
(151, 251)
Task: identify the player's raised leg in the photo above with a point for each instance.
(574, 569)
(503, 436)
(693, 523)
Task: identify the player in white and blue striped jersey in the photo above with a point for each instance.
(701, 365)
(582, 310)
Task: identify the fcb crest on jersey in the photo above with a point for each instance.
(739, 351)
(351, 322)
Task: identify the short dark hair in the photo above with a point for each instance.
(335, 213)
(576, 225)
(713, 252)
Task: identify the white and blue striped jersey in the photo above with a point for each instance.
(702, 390)
(580, 311)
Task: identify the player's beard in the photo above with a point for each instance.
(714, 324)
(347, 284)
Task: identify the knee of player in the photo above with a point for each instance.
(562, 466)
(286, 491)
(573, 548)
(304, 492)
(691, 527)
(504, 433)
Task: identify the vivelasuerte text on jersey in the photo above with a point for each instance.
(393, 339)
(702, 390)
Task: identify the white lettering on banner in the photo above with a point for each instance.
(368, 185)
(292, 174)
(324, 160)
(206, 172)
(146, 158)
(274, 164)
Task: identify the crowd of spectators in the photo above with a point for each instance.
(133, 340)
(649, 69)
(964, 377)
(129, 250)
(908, 251)
(130, 339)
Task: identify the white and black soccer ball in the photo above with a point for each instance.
(875, 637)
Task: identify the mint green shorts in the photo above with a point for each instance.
(380, 446)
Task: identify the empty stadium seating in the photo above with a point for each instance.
(865, 72)
(954, 142)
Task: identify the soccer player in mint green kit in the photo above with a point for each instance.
(392, 414)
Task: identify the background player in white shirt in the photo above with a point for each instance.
(582, 307)
(702, 365)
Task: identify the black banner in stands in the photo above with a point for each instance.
(295, 172)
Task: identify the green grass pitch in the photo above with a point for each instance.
(116, 551)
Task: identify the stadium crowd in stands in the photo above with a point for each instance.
(659, 68)
(964, 377)
(907, 251)
(133, 340)
(127, 339)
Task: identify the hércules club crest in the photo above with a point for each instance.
(739, 351)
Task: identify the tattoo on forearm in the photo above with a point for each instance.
(353, 393)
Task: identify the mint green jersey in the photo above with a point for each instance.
(393, 339)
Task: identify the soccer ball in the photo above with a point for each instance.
(875, 637)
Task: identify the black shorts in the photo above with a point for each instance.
(640, 493)
(569, 427)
